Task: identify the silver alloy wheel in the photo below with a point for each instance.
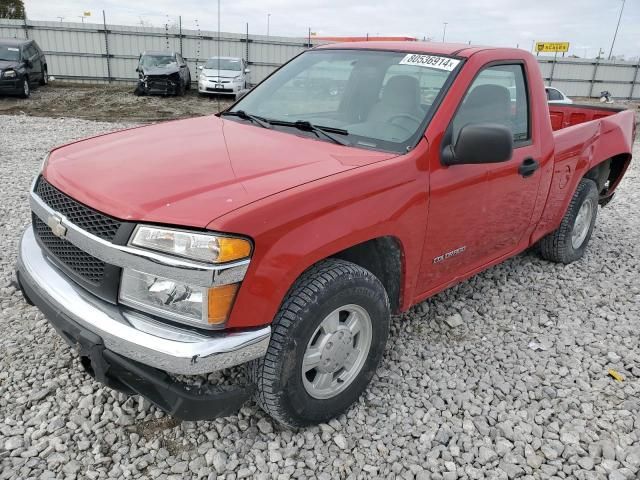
(25, 87)
(337, 351)
(582, 224)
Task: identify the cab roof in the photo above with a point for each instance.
(452, 49)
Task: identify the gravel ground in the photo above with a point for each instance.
(503, 376)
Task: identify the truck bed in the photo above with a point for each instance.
(563, 116)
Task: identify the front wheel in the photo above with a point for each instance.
(569, 242)
(26, 88)
(45, 77)
(328, 339)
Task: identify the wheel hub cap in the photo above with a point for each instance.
(582, 224)
(337, 351)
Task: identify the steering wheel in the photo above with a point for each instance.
(413, 118)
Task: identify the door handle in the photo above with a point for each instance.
(528, 167)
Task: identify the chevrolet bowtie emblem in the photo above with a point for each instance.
(55, 224)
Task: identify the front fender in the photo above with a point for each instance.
(297, 228)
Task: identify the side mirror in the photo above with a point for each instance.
(138, 69)
(247, 70)
(28, 63)
(201, 67)
(480, 143)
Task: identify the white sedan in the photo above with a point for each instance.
(223, 75)
(556, 96)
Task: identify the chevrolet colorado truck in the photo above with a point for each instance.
(356, 181)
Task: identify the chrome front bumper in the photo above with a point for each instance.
(132, 334)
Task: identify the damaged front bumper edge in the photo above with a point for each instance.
(135, 353)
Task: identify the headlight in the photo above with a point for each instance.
(195, 246)
(9, 74)
(199, 306)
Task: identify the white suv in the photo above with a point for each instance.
(223, 75)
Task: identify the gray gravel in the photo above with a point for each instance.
(504, 376)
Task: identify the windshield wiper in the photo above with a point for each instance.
(247, 116)
(319, 130)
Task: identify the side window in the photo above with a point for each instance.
(497, 95)
(31, 51)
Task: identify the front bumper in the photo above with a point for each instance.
(132, 352)
(210, 86)
(10, 86)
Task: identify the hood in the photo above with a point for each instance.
(190, 172)
(6, 64)
(214, 72)
(160, 70)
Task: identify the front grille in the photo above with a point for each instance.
(84, 217)
(86, 266)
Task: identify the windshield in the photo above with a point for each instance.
(11, 54)
(234, 64)
(157, 60)
(378, 99)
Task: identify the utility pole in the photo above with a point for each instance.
(444, 31)
(268, 22)
(613, 42)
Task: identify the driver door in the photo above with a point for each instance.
(480, 212)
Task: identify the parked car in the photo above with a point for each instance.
(223, 75)
(556, 96)
(22, 66)
(162, 73)
(283, 232)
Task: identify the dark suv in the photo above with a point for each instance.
(22, 64)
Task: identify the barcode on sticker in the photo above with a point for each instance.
(431, 61)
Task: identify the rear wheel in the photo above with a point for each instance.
(328, 339)
(569, 242)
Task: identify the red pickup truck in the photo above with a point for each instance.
(357, 180)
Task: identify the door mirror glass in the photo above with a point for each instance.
(480, 143)
(247, 70)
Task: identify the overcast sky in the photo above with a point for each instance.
(587, 24)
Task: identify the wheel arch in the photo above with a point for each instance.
(382, 256)
(608, 174)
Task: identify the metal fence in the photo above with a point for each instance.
(90, 52)
(96, 53)
(579, 77)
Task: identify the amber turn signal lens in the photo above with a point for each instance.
(232, 249)
(220, 302)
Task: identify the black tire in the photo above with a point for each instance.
(139, 91)
(45, 77)
(188, 85)
(26, 88)
(558, 246)
(322, 289)
(180, 90)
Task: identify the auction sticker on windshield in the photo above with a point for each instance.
(430, 61)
